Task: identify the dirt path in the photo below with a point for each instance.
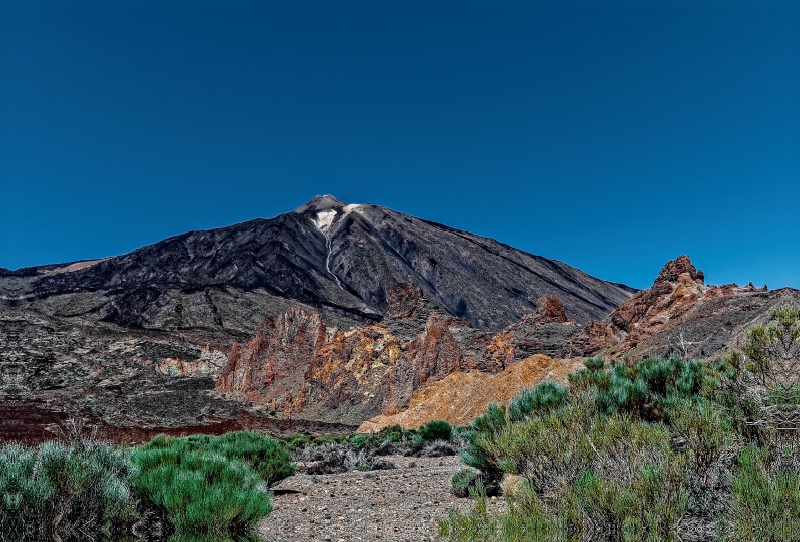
(397, 505)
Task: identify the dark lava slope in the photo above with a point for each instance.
(344, 259)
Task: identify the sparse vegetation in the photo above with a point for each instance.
(327, 455)
(265, 455)
(62, 489)
(644, 452)
(334, 458)
(82, 487)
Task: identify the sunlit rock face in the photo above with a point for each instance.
(297, 366)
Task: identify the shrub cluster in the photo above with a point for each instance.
(212, 485)
(627, 453)
(85, 489)
(64, 491)
(363, 451)
(330, 455)
(268, 457)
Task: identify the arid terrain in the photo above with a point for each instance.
(325, 319)
(400, 504)
(314, 320)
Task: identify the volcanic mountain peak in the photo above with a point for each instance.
(344, 259)
(323, 211)
(320, 203)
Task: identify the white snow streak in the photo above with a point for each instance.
(323, 222)
(324, 219)
(328, 262)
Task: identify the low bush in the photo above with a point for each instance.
(664, 449)
(464, 482)
(394, 440)
(334, 458)
(212, 484)
(296, 442)
(541, 398)
(606, 458)
(203, 492)
(644, 390)
(266, 456)
(478, 440)
(64, 490)
(766, 497)
(438, 448)
(436, 430)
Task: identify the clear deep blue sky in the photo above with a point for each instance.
(612, 136)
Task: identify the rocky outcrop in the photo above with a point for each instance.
(550, 310)
(275, 361)
(593, 338)
(675, 291)
(678, 316)
(210, 363)
(344, 381)
(543, 332)
(293, 365)
(431, 356)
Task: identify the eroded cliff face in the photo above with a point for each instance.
(461, 396)
(297, 366)
(275, 361)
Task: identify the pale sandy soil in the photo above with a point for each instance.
(397, 505)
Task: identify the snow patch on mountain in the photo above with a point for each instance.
(324, 220)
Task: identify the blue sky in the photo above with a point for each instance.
(612, 136)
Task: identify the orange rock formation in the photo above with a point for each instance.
(461, 396)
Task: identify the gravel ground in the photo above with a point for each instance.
(397, 505)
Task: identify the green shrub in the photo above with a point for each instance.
(766, 501)
(202, 491)
(81, 487)
(436, 430)
(578, 471)
(583, 462)
(464, 482)
(542, 397)
(266, 456)
(704, 428)
(263, 454)
(296, 442)
(361, 440)
(478, 438)
(392, 433)
(212, 484)
(643, 390)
